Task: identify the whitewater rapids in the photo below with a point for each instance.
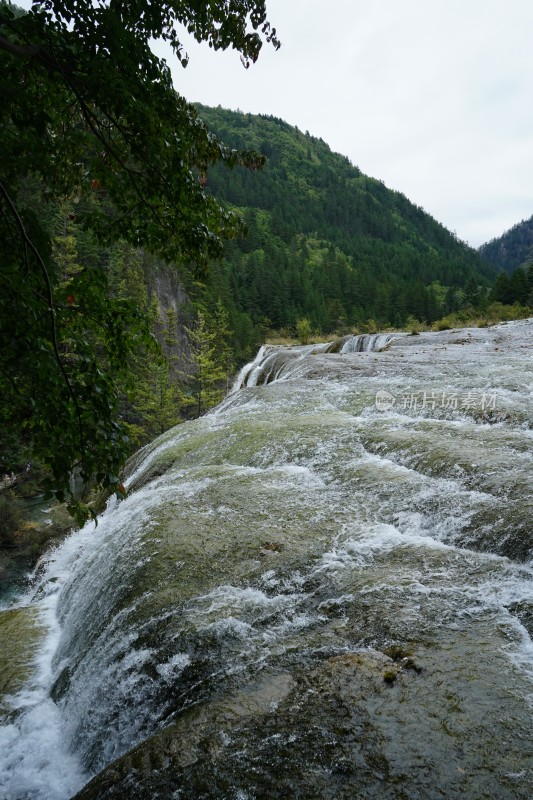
(321, 589)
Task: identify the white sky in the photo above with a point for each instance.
(434, 97)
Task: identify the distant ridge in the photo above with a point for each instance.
(511, 250)
(328, 242)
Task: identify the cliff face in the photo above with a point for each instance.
(171, 293)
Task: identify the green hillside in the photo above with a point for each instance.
(512, 249)
(326, 241)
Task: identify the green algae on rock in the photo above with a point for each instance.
(20, 632)
(309, 595)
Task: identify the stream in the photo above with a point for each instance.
(323, 588)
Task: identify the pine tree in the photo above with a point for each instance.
(210, 356)
(157, 400)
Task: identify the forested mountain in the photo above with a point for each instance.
(326, 241)
(512, 249)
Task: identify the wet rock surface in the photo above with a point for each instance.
(339, 730)
(309, 595)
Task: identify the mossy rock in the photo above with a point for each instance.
(20, 632)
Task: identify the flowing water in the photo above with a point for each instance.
(321, 589)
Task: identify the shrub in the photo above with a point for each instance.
(370, 326)
(414, 326)
(303, 330)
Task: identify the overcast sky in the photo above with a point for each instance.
(434, 97)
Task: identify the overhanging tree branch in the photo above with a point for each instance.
(128, 133)
(31, 52)
(27, 243)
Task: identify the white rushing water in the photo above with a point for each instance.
(335, 506)
(34, 755)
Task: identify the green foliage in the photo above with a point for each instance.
(98, 149)
(494, 313)
(303, 330)
(511, 250)
(63, 338)
(472, 292)
(211, 357)
(497, 312)
(10, 518)
(328, 243)
(514, 288)
(157, 400)
(413, 325)
(89, 108)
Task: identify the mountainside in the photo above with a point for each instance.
(511, 250)
(326, 241)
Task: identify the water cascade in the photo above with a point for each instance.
(274, 363)
(321, 589)
(367, 342)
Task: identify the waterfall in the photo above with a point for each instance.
(245, 373)
(322, 588)
(367, 342)
(274, 363)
